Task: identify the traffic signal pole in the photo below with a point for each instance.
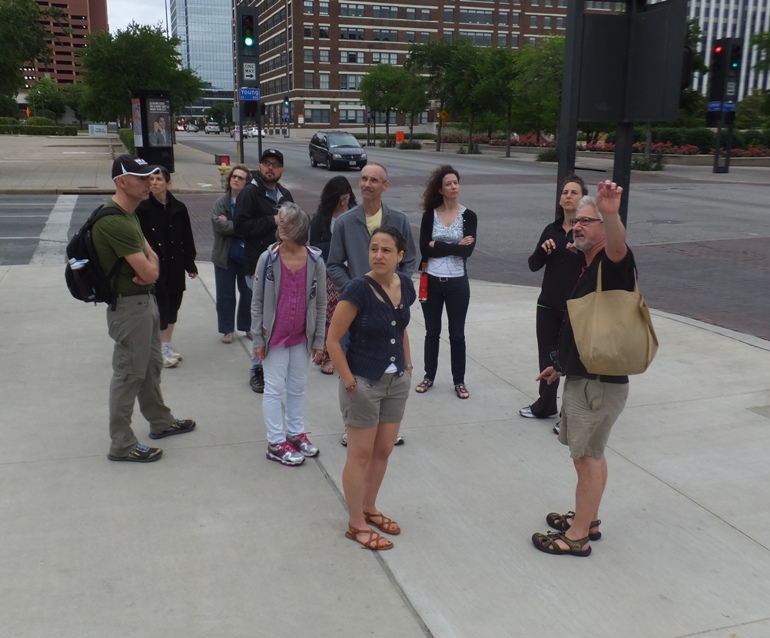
(724, 75)
(247, 61)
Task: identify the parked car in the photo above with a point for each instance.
(253, 131)
(191, 128)
(212, 127)
(336, 149)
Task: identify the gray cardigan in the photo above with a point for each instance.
(264, 298)
(223, 231)
(349, 252)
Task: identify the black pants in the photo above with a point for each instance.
(455, 293)
(548, 327)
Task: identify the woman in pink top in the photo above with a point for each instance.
(288, 321)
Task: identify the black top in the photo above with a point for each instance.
(440, 248)
(255, 219)
(168, 231)
(375, 338)
(618, 276)
(562, 266)
(319, 237)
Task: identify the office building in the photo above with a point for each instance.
(85, 16)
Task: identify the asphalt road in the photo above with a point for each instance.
(701, 247)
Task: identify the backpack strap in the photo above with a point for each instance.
(105, 210)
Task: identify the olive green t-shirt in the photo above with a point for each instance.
(116, 236)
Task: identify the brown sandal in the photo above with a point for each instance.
(373, 540)
(387, 525)
(461, 391)
(548, 543)
(327, 367)
(423, 386)
(560, 522)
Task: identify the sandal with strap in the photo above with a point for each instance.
(548, 543)
(560, 522)
(461, 391)
(423, 386)
(373, 540)
(387, 525)
(327, 367)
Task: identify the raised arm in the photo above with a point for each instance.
(608, 203)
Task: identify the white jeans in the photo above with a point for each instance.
(285, 376)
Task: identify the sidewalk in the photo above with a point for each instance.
(215, 540)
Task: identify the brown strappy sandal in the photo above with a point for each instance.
(423, 386)
(548, 543)
(387, 525)
(374, 541)
(561, 523)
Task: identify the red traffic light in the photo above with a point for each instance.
(717, 49)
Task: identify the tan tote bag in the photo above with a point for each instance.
(613, 330)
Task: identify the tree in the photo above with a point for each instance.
(220, 112)
(749, 112)
(537, 86)
(380, 90)
(45, 95)
(432, 60)
(8, 106)
(463, 83)
(76, 97)
(413, 99)
(497, 86)
(140, 57)
(24, 39)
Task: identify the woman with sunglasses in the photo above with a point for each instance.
(562, 269)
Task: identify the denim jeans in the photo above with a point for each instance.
(226, 281)
(455, 294)
(285, 378)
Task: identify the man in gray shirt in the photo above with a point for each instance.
(349, 252)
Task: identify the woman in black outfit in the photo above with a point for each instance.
(166, 225)
(336, 198)
(562, 270)
(447, 239)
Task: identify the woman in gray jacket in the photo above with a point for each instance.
(227, 255)
(288, 321)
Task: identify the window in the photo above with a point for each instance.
(349, 33)
(476, 16)
(410, 36)
(533, 22)
(425, 14)
(424, 37)
(308, 6)
(350, 82)
(447, 36)
(515, 19)
(532, 42)
(352, 57)
(350, 116)
(559, 22)
(449, 15)
(384, 11)
(547, 22)
(323, 31)
(385, 35)
(502, 18)
(411, 13)
(308, 30)
(481, 38)
(323, 55)
(384, 58)
(379, 118)
(501, 40)
(356, 10)
(317, 116)
(309, 81)
(324, 81)
(515, 41)
(309, 55)
(323, 8)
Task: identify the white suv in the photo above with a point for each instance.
(212, 128)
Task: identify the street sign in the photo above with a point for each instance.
(729, 107)
(731, 89)
(715, 106)
(250, 71)
(249, 94)
(301, 119)
(443, 114)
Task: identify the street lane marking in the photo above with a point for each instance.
(53, 239)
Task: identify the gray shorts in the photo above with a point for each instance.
(375, 402)
(589, 408)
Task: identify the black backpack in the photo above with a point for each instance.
(84, 274)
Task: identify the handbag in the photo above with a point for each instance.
(613, 330)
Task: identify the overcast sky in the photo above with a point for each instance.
(121, 12)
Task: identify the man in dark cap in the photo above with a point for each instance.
(132, 319)
(256, 221)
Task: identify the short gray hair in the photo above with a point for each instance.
(384, 170)
(587, 200)
(298, 222)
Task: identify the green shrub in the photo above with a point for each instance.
(39, 121)
(703, 138)
(389, 143)
(753, 137)
(676, 136)
(739, 139)
(655, 163)
(410, 145)
(548, 155)
(21, 129)
(8, 121)
(127, 137)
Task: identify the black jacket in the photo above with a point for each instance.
(562, 266)
(168, 231)
(255, 219)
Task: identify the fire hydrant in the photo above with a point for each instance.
(223, 170)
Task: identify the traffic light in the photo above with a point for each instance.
(718, 70)
(246, 30)
(286, 102)
(736, 52)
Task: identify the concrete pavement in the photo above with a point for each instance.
(214, 540)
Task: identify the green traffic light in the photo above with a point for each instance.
(248, 41)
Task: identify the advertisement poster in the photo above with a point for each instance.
(136, 118)
(159, 114)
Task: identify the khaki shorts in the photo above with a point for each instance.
(375, 402)
(589, 408)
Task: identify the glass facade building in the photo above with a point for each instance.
(204, 28)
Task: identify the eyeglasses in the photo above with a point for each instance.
(584, 221)
(272, 164)
(240, 177)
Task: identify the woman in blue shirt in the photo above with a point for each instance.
(375, 376)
